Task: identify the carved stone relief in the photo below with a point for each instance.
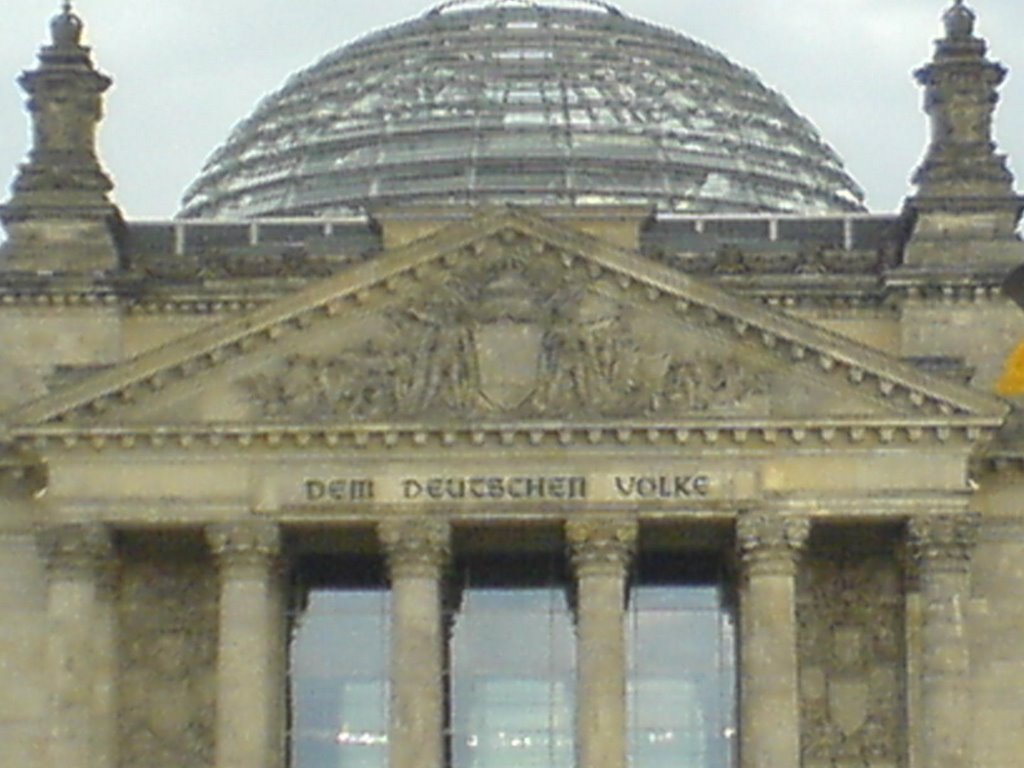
(509, 336)
(168, 624)
(852, 658)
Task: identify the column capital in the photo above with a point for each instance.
(76, 549)
(771, 543)
(247, 542)
(943, 542)
(415, 546)
(601, 545)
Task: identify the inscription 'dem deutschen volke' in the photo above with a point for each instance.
(484, 488)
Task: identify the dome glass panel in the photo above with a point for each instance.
(566, 103)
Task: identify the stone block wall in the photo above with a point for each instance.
(996, 624)
(167, 621)
(852, 651)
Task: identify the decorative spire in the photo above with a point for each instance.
(965, 189)
(62, 191)
(960, 21)
(66, 28)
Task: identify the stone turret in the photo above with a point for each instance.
(60, 217)
(965, 210)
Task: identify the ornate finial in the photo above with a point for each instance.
(60, 216)
(965, 188)
(66, 28)
(960, 21)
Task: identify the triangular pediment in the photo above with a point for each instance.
(509, 318)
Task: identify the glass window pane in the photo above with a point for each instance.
(681, 675)
(339, 680)
(512, 670)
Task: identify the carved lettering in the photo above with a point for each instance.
(662, 486)
(484, 488)
(493, 488)
(338, 489)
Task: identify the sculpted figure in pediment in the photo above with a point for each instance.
(519, 341)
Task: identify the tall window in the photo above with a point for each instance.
(339, 670)
(681, 676)
(512, 665)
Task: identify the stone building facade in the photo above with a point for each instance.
(783, 426)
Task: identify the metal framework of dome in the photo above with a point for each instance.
(564, 102)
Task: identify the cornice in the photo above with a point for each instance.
(228, 299)
(220, 305)
(154, 295)
(782, 294)
(752, 435)
(949, 293)
(947, 284)
(27, 297)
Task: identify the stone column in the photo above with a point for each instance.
(941, 547)
(600, 551)
(769, 548)
(80, 652)
(250, 721)
(417, 551)
(106, 687)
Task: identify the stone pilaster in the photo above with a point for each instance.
(250, 720)
(941, 547)
(600, 550)
(417, 552)
(769, 547)
(80, 654)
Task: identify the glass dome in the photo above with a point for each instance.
(566, 102)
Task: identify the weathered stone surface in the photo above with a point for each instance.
(852, 652)
(417, 551)
(601, 552)
(770, 546)
(965, 207)
(167, 616)
(622, 381)
(941, 546)
(508, 317)
(60, 216)
(251, 671)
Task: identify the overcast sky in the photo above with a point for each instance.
(186, 71)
